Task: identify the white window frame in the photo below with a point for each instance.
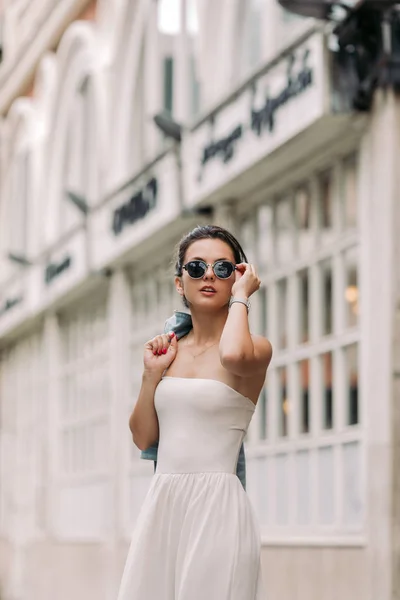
(262, 482)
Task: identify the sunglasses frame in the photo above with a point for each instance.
(212, 265)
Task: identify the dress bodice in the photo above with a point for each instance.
(202, 425)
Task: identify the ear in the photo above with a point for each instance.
(179, 286)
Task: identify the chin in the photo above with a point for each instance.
(211, 304)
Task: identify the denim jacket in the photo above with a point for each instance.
(181, 324)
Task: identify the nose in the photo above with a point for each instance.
(209, 272)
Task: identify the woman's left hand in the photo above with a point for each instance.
(246, 281)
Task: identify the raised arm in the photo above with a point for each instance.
(241, 353)
(143, 422)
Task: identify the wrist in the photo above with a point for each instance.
(151, 378)
(236, 299)
(239, 292)
(240, 296)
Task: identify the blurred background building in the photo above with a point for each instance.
(125, 123)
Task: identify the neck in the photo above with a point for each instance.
(207, 328)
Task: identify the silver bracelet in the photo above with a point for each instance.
(245, 302)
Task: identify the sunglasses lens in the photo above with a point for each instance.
(223, 269)
(195, 269)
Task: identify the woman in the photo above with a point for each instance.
(180, 324)
(196, 537)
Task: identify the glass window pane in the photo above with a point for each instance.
(350, 193)
(284, 406)
(351, 362)
(284, 230)
(263, 325)
(352, 289)
(169, 16)
(303, 283)
(19, 192)
(303, 485)
(282, 312)
(168, 84)
(195, 91)
(326, 197)
(327, 397)
(303, 221)
(262, 407)
(325, 208)
(326, 293)
(305, 396)
(265, 234)
(326, 468)
(353, 500)
(282, 489)
(192, 17)
(246, 229)
(85, 389)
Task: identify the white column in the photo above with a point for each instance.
(152, 81)
(119, 328)
(395, 376)
(181, 100)
(378, 197)
(53, 363)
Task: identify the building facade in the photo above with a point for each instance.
(94, 198)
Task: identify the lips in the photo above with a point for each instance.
(208, 288)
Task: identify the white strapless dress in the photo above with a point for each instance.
(196, 537)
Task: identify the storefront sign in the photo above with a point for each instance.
(264, 118)
(287, 98)
(54, 270)
(136, 210)
(223, 147)
(9, 304)
(139, 205)
(296, 84)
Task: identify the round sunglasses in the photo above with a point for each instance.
(197, 268)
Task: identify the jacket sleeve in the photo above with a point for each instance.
(150, 453)
(241, 467)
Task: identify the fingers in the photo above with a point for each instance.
(160, 344)
(247, 268)
(242, 267)
(174, 342)
(249, 271)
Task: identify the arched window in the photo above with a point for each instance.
(179, 18)
(76, 134)
(76, 179)
(18, 203)
(155, 71)
(135, 95)
(17, 188)
(169, 16)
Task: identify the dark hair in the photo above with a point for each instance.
(203, 232)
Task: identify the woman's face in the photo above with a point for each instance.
(208, 291)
